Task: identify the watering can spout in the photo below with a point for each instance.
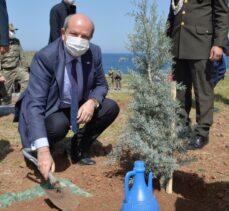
(140, 196)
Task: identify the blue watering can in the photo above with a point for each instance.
(140, 197)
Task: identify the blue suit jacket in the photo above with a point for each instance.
(4, 31)
(42, 96)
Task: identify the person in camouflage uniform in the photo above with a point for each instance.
(13, 67)
(116, 78)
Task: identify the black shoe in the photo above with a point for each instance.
(84, 160)
(77, 154)
(200, 142)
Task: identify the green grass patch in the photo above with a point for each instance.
(222, 94)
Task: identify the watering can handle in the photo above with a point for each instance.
(127, 178)
(150, 178)
(26, 153)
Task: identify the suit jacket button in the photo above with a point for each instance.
(182, 23)
(183, 12)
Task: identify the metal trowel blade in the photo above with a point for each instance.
(63, 198)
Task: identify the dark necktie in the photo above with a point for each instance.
(74, 97)
(76, 92)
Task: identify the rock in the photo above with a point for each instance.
(98, 178)
(22, 165)
(213, 177)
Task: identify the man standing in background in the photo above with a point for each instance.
(198, 29)
(4, 35)
(13, 67)
(58, 14)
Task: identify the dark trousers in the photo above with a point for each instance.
(196, 73)
(58, 124)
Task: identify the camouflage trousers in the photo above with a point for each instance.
(18, 74)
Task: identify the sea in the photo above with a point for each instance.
(124, 62)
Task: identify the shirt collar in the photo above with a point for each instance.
(69, 57)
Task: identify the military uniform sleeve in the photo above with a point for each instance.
(221, 23)
(170, 21)
(23, 60)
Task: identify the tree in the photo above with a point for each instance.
(151, 134)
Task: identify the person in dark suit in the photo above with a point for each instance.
(4, 32)
(58, 13)
(198, 29)
(67, 86)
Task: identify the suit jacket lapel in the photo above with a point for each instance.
(60, 67)
(86, 60)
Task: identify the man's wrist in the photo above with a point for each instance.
(43, 149)
(96, 103)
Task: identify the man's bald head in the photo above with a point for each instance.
(78, 25)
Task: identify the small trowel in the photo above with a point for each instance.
(61, 197)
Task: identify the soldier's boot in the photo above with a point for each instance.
(5, 100)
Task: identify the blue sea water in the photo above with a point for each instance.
(123, 62)
(117, 61)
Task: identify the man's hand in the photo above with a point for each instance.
(2, 78)
(216, 53)
(86, 112)
(4, 49)
(45, 161)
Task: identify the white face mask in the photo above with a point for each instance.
(11, 34)
(76, 46)
(71, 2)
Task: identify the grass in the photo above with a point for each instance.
(222, 94)
(8, 130)
(221, 97)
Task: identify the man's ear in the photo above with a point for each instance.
(63, 34)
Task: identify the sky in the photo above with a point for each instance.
(111, 19)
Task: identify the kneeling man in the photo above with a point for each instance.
(67, 87)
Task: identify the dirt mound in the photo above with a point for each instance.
(201, 185)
